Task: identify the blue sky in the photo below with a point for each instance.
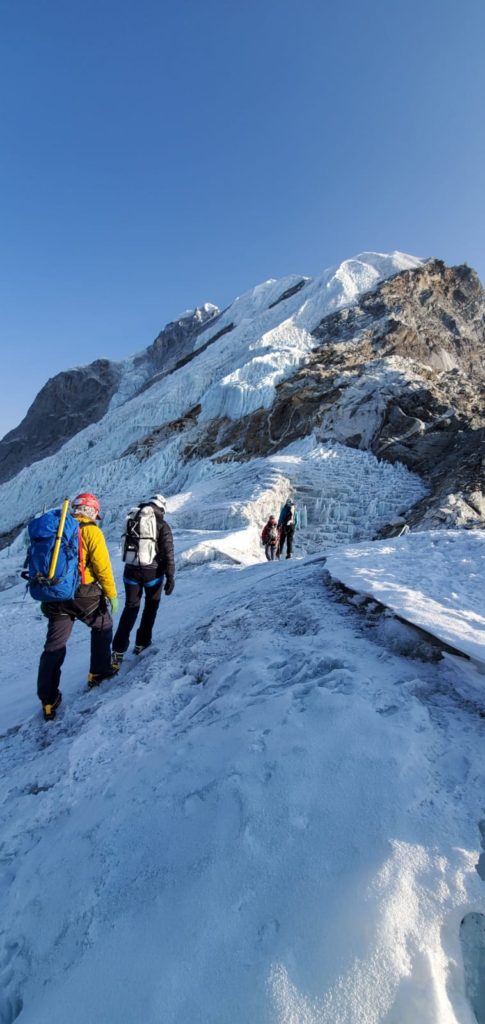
(158, 155)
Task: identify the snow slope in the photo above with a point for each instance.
(435, 580)
(233, 376)
(266, 818)
(270, 816)
(342, 494)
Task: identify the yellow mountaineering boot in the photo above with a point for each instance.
(95, 678)
(49, 710)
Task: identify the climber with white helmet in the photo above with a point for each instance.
(149, 560)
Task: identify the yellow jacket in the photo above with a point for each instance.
(97, 565)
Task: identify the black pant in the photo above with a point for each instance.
(89, 606)
(134, 589)
(287, 533)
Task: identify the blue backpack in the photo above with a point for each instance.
(42, 533)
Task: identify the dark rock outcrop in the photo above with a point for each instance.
(75, 399)
(143, 448)
(289, 292)
(68, 403)
(183, 360)
(434, 315)
(175, 344)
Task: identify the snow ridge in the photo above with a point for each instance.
(241, 823)
(234, 376)
(271, 815)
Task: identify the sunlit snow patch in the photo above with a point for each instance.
(435, 580)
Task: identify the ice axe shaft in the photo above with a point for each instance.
(57, 545)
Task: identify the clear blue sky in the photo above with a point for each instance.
(156, 155)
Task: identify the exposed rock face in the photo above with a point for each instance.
(433, 315)
(76, 398)
(68, 402)
(175, 343)
(145, 446)
(401, 374)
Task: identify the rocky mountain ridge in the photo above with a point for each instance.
(400, 374)
(383, 354)
(66, 404)
(74, 399)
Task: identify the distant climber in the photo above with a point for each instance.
(287, 524)
(94, 593)
(149, 560)
(270, 538)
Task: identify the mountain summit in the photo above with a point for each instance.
(383, 353)
(274, 812)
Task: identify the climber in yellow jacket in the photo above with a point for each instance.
(95, 597)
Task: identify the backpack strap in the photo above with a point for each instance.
(82, 551)
(82, 561)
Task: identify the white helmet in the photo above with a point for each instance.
(159, 501)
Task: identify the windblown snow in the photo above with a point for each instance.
(275, 814)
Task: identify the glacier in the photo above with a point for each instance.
(232, 377)
(275, 813)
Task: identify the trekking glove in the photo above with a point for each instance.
(44, 609)
(115, 604)
(168, 588)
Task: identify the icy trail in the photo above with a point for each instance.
(274, 816)
(270, 818)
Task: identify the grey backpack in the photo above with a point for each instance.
(140, 536)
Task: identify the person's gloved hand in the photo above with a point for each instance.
(114, 604)
(44, 609)
(168, 588)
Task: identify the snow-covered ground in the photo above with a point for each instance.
(268, 817)
(435, 580)
(276, 814)
(343, 494)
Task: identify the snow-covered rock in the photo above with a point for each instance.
(434, 580)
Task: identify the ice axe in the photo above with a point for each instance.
(57, 545)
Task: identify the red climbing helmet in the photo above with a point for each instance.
(87, 505)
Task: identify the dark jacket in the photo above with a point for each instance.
(283, 519)
(165, 555)
(164, 561)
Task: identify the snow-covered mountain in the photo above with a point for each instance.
(274, 815)
(383, 353)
